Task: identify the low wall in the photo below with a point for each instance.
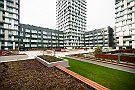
(62, 63)
(127, 59)
(43, 62)
(115, 57)
(14, 57)
(5, 52)
(107, 56)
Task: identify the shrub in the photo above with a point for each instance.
(50, 58)
(98, 50)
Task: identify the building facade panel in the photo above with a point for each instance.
(125, 23)
(71, 18)
(38, 37)
(9, 23)
(99, 37)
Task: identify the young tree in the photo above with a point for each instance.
(98, 50)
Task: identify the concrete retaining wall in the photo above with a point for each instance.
(62, 63)
(14, 57)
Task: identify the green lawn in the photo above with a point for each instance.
(111, 78)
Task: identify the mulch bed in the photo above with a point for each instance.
(32, 75)
(50, 58)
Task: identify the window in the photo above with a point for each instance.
(10, 9)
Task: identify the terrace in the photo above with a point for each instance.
(30, 74)
(33, 74)
(113, 79)
(37, 74)
(125, 58)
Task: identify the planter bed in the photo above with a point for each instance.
(87, 58)
(51, 61)
(32, 75)
(50, 58)
(92, 59)
(123, 58)
(8, 52)
(82, 57)
(13, 57)
(74, 56)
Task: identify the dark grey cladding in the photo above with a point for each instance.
(39, 37)
(118, 0)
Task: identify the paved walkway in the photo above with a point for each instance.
(33, 54)
(126, 69)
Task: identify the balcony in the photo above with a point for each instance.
(45, 33)
(1, 8)
(86, 38)
(54, 42)
(129, 0)
(26, 40)
(27, 35)
(39, 45)
(27, 30)
(60, 38)
(33, 40)
(10, 4)
(61, 35)
(34, 36)
(106, 45)
(61, 42)
(100, 37)
(1, 2)
(130, 11)
(27, 45)
(100, 41)
(127, 39)
(33, 45)
(126, 45)
(33, 31)
(45, 41)
(119, 4)
(10, 45)
(53, 38)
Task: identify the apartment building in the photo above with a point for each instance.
(9, 23)
(102, 37)
(39, 37)
(71, 19)
(125, 24)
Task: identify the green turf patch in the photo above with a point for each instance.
(111, 78)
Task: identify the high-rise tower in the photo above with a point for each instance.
(71, 18)
(9, 23)
(125, 23)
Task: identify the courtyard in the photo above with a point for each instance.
(27, 71)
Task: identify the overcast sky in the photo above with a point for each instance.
(100, 13)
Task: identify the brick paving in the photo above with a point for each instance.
(83, 79)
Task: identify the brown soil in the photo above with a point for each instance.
(50, 58)
(32, 75)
